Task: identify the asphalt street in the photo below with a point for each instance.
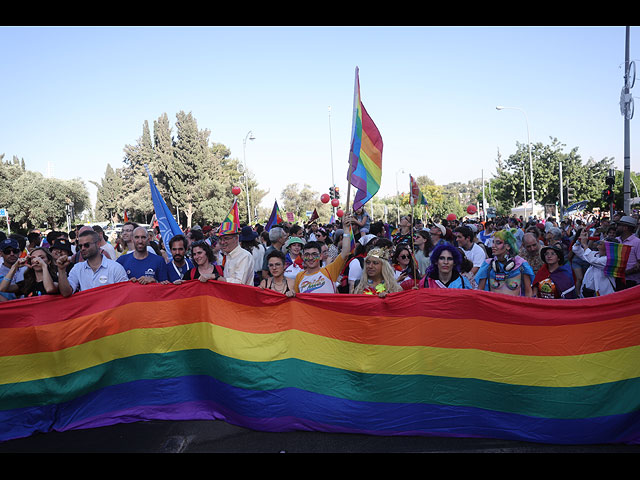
(221, 437)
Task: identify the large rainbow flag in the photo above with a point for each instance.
(432, 363)
(365, 155)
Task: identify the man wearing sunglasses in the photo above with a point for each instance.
(10, 252)
(96, 269)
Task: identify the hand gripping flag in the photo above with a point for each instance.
(168, 225)
(365, 156)
(416, 198)
(276, 217)
(231, 224)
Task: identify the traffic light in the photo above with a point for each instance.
(571, 195)
(607, 195)
(332, 193)
(338, 193)
(611, 179)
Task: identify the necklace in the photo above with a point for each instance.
(275, 285)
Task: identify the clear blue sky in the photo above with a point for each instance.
(75, 96)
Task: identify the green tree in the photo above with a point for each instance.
(109, 199)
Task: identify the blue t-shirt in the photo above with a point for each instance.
(151, 266)
(176, 273)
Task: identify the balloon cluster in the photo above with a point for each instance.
(324, 198)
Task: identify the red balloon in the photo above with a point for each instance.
(325, 198)
(471, 209)
(340, 213)
(335, 202)
(451, 217)
(236, 190)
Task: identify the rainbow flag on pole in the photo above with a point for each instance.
(231, 224)
(276, 217)
(365, 156)
(408, 364)
(617, 257)
(416, 196)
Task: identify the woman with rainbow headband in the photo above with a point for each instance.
(505, 272)
(377, 275)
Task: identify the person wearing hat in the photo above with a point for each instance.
(236, 261)
(293, 258)
(438, 233)
(61, 246)
(555, 278)
(626, 235)
(10, 252)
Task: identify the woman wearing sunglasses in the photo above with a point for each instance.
(405, 267)
(444, 271)
(277, 281)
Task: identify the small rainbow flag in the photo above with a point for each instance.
(417, 198)
(617, 257)
(352, 240)
(365, 156)
(276, 217)
(231, 224)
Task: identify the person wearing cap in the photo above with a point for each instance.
(626, 228)
(236, 261)
(438, 233)
(555, 278)
(293, 258)
(61, 246)
(96, 269)
(10, 252)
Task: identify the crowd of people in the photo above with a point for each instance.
(540, 258)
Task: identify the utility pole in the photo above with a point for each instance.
(561, 196)
(626, 108)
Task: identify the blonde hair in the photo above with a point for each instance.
(388, 276)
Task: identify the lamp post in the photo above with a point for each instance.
(533, 201)
(397, 196)
(246, 172)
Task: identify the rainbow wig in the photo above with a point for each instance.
(507, 237)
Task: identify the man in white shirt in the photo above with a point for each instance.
(474, 252)
(237, 263)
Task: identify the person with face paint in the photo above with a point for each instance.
(505, 272)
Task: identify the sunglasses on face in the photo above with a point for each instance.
(9, 251)
(85, 245)
(404, 257)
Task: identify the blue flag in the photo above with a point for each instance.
(168, 225)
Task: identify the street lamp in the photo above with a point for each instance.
(533, 201)
(398, 195)
(246, 172)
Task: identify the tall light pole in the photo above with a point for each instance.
(533, 201)
(246, 172)
(398, 196)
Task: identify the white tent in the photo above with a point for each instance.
(525, 210)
